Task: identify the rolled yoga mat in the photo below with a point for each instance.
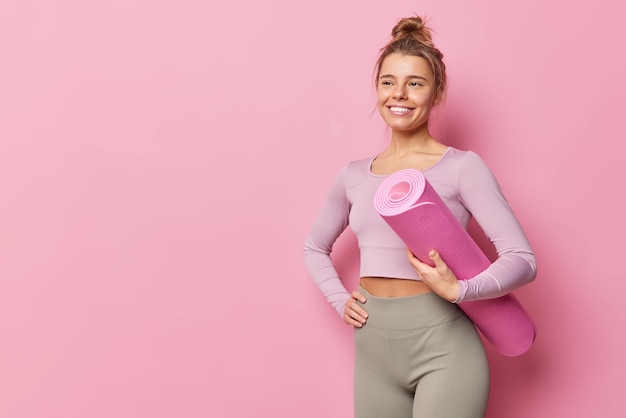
(414, 210)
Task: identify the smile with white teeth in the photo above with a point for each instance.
(396, 109)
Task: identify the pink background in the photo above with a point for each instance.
(161, 163)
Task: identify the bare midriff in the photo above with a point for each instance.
(390, 288)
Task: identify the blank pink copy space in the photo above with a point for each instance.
(161, 163)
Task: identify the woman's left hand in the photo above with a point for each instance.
(439, 278)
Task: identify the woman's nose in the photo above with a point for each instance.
(399, 92)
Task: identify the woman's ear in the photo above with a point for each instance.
(438, 98)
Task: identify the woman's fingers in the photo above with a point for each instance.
(354, 314)
(439, 277)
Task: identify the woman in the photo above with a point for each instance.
(416, 352)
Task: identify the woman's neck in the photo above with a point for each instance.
(405, 142)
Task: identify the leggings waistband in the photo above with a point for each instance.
(408, 312)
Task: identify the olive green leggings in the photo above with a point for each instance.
(418, 357)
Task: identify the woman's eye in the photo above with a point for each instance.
(385, 83)
(414, 84)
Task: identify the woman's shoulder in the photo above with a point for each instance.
(470, 171)
(358, 167)
(461, 155)
(463, 159)
(362, 164)
(354, 170)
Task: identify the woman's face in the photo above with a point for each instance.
(406, 92)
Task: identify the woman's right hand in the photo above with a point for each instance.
(353, 313)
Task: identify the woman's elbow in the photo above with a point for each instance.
(532, 263)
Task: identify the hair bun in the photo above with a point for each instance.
(412, 27)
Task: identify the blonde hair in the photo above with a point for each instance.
(411, 36)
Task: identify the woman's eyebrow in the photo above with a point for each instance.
(410, 76)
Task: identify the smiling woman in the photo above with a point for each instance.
(416, 353)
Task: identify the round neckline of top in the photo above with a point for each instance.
(371, 161)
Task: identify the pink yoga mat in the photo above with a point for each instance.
(414, 210)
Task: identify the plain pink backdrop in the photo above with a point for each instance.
(161, 163)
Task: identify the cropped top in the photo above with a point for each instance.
(468, 188)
